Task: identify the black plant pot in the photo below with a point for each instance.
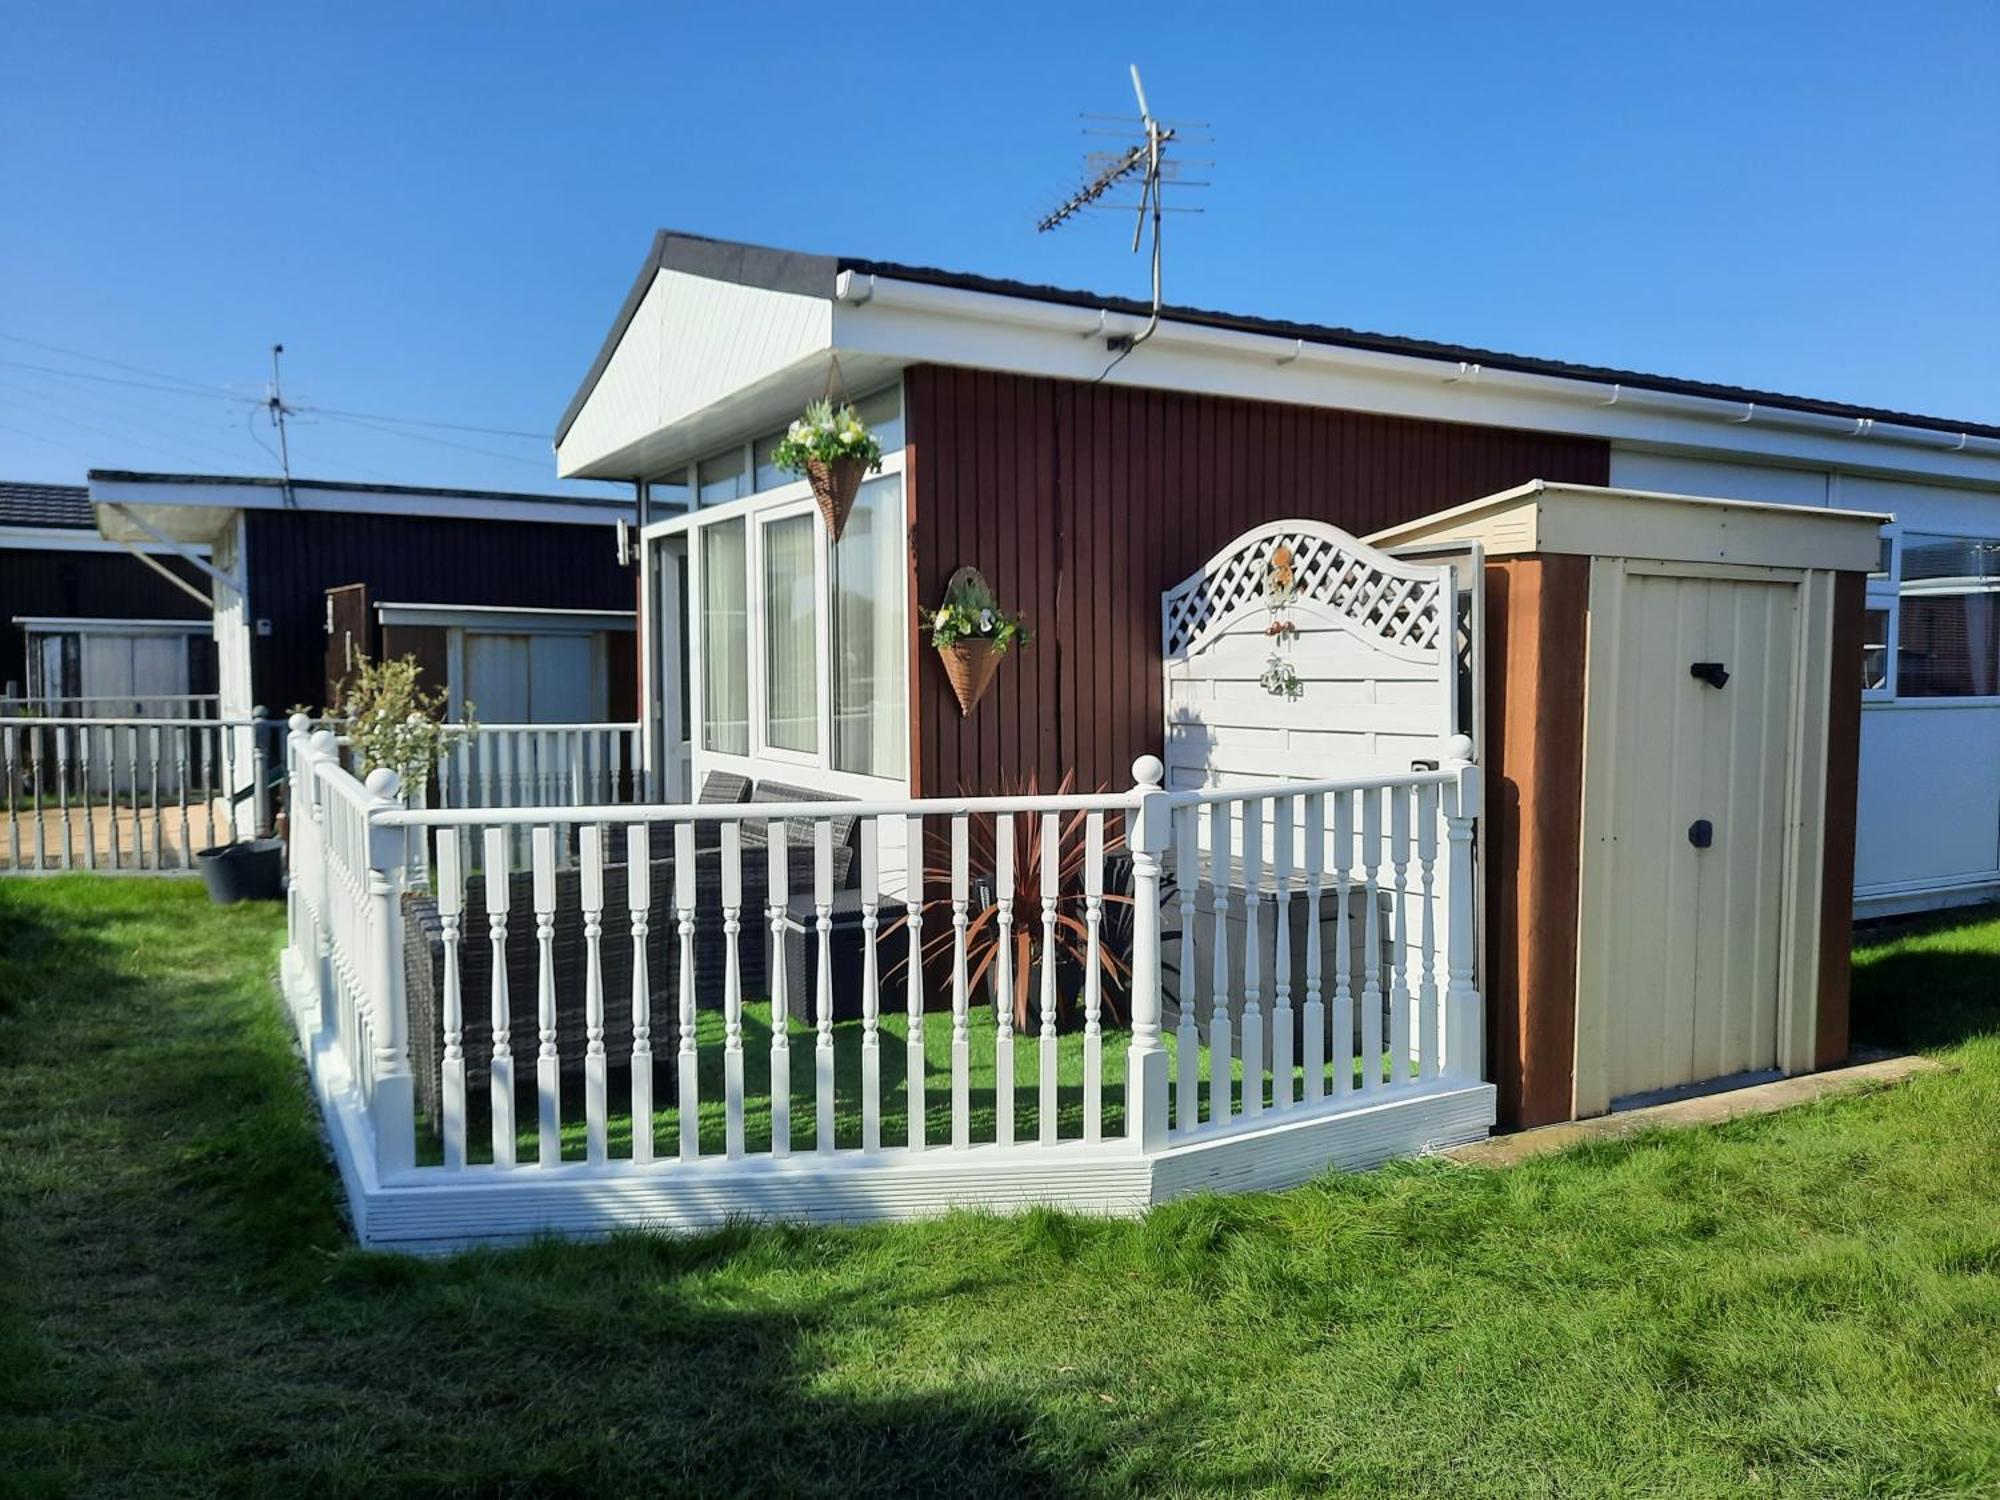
(249, 870)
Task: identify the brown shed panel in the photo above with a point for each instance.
(1536, 611)
(350, 634)
(430, 645)
(1843, 791)
(1083, 503)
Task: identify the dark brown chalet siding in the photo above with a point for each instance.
(1083, 503)
(88, 585)
(296, 556)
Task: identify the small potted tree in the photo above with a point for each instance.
(971, 634)
(834, 449)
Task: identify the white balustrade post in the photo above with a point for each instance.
(451, 1070)
(1464, 1044)
(596, 1068)
(394, 1104)
(500, 1005)
(638, 905)
(323, 750)
(913, 921)
(777, 891)
(548, 1062)
(296, 773)
(1047, 1053)
(1148, 834)
(687, 1100)
(732, 988)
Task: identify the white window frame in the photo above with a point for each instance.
(1919, 590)
(756, 510)
(1884, 593)
(760, 698)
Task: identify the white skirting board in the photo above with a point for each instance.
(432, 1210)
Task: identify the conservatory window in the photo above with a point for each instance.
(1875, 651)
(767, 475)
(725, 641)
(791, 619)
(882, 414)
(724, 477)
(869, 733)
(1948, 625)
(670, 490)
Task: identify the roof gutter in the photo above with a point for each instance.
(862, 288)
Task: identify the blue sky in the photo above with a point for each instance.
(437, 208)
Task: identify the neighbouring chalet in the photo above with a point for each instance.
(1084, 489)
(517, 603)
(86, 628)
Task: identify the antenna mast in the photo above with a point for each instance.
(1147, 162)
(275, 404)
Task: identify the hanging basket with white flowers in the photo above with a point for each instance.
(971, 634)
(833, 448)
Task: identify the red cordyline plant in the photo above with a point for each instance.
(983, 932)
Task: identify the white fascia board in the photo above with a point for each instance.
(505, 617)
(202, 511)
(69, 539)
(97, 625)
(693, 343)
(918, 323)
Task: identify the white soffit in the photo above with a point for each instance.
(692, 343)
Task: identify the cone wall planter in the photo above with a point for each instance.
(970, 665)
(834, 486)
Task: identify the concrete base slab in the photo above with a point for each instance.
(1704, 1109)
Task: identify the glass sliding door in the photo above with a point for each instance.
(791, 626)
(725, 640)
(870, 733)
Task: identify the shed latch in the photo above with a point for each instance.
(1701, 833)
(1714, 673)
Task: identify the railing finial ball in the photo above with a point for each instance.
(1148, 771)
(298, 723)
(383, 782)
(1458, 747)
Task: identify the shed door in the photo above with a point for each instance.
(534, 679)
(140, 672)
(1693, 981)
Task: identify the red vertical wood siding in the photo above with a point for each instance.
(1083, 503)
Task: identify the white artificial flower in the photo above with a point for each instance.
(986, 622)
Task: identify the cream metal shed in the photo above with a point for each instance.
(1673, 691)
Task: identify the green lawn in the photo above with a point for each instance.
(1806, 1304)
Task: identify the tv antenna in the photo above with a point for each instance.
(274, 403)
(1146, 163)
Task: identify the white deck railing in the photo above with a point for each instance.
(1250, 1054)
(102, 793)
(541, 765)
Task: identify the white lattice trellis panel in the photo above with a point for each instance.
(1368, 640)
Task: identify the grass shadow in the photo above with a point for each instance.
(1921, 983)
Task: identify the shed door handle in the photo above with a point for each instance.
(1701, 833)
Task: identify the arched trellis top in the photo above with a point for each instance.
(1402, 608)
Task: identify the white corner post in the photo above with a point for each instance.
(296, 740)
(394, 1105)
(1148, 835)
(322, 748)
(1464, 1022)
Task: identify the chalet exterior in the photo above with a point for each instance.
(86, 627)
(1083, 489)
(517, 602)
